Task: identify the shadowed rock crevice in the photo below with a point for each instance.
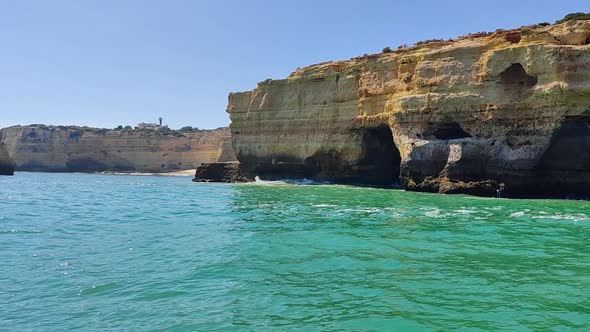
(516, 76)
(85, 165)
(380, 163)
(445, 131)
(517, 83)
(587, 41)
(570, 146)
(6, 167)
(563, 168)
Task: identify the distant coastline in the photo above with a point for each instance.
(184, 173)
(42, 148)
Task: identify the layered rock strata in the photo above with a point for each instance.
(72, 149)
(6, 167)
(504, 113)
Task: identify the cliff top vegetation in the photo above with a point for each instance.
(80, 130)
(569, 17)
(574, 16)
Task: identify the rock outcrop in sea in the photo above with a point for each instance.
(6, 167)
(80, 149)
(504, 113)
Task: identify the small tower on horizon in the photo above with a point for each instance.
(160, 119)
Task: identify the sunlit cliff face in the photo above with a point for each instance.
(51, 149)
(481, 114)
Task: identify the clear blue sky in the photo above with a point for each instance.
(108, 62)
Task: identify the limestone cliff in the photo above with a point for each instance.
(75, 149)
(6, 167)
(507, 111)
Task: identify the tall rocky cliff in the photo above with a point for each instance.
(490, 113)
(6, 167)
(75, 149)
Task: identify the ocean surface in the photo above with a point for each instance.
(138, 253)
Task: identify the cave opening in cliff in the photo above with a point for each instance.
(565, 165)
(380, 162)
(570, 146)
(515, 77)
(87, 165)
(445, 131)
(587, 41)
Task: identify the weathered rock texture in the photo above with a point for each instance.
(63, 149)
(6, 167)
(222, 172)
(507, 111)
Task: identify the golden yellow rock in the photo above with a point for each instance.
(63, 149)
(503, 113)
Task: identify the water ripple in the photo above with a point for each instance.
(103, 252)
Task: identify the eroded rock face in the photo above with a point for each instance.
(222, 172)
(51, 149)
(508, 112)
(6, 167)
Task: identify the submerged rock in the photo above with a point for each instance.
(504, 113)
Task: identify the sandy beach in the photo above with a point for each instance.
(188, 172)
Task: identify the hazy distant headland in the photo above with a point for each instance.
(145, 148)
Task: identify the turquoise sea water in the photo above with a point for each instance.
(104, 252)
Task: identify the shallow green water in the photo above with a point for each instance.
(100, 252)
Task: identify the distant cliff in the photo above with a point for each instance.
(503, 113)
(82, 149)
(6, 167)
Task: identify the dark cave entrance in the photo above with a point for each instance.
(380, 161)
(445, 131)
(87, 165)
(564, 168)
(517, 83)
(569, 149)
(587, 41)
(516, 76)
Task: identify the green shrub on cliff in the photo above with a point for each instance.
(574, 16)
(189, 129)
(76, 134)
(428, 41)
(101, 131)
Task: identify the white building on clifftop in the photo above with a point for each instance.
(149, 126)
